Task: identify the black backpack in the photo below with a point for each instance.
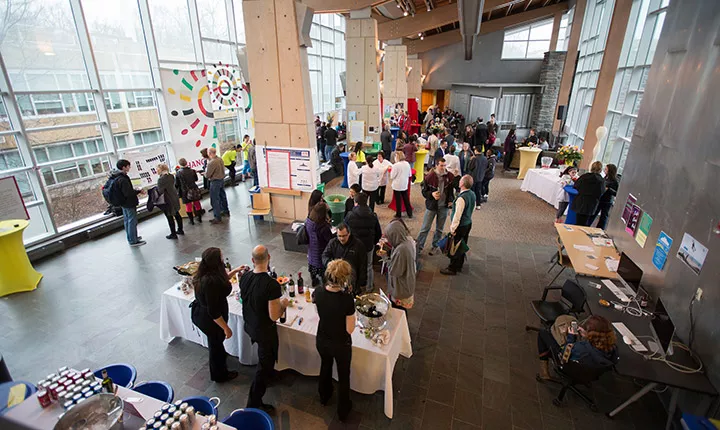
(111, 191)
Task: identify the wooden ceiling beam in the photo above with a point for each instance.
(442, 15)
(417, 46)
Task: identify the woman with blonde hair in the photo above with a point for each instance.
(592, 345)
(171, 208)
(336, 309)
(590, 187)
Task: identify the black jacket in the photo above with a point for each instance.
(481, 135)
(490, 171)
(185, 178)
(364, 226)
(331, 137)
(386, 139)
(130, 198)
(431, 184)
(478, 166)
(611, 187)
(354, 253)
(590, 187)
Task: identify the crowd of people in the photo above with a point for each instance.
(595, 194)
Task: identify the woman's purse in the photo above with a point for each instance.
(194, 194)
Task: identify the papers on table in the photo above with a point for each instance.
(591, 267)
(634, 341)
(583, 248)
(612, 264)
(601, 241)
(615, 290)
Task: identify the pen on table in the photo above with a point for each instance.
(300, 321)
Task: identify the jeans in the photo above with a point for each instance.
(370, 273)
(328, 152)
(440, 215)
(246, 168)
(320, 147)
(485, 189)
(457, 261)
(218, 199)
(130, 221)
(267, 356)
(477, 189)
(400, 198)
(562, 207)
(256, 181)
(342, 356)
(604, 211)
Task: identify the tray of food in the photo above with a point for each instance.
(187, 269)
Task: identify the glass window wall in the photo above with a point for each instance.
(326, 60)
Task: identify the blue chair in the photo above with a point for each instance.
(249, 418)
(156, 389)
(5, 393)
(121, 373)
(203, 404)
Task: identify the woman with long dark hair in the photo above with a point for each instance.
(209, 310)
(608, 198)
(509, 148)
(359, 152)
(319, 234)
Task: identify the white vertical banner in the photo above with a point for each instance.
(143, 165)
(192, 122)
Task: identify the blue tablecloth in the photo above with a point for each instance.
(394, 131)
(345, 159)
(571, 217)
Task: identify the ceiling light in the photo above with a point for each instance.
(428, 8)
(422, 37)
(405, 13)
(419, 34)
(49, 54)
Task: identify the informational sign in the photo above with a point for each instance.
(692, 253)
(633, 221)
(662, 250)
(288, 168)
(143, 166)
(643, 229)
(356, 132)
(627, 211)
(12, 205)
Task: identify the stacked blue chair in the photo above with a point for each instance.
(249, 418)
(157, 390)
(204, 405)
(122, 374)
(5, 393)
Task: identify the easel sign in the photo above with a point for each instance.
(356, 132)
(12, 205)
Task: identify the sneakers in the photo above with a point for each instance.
(225, 213)
(434, 250)
(477, 208)
(138, 243)
(171, 236)
(215, 221)
(448, 271)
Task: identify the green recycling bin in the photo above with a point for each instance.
(337, 207)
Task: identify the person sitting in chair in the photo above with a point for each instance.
(593, 346)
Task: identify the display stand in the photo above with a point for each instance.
(16, 272)
(420, 165)
(528, 159)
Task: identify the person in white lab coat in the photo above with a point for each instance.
(353, 173)
(384, 166)
(371, 173)
(400, 178)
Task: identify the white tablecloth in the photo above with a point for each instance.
(544, 183)
(372, 366)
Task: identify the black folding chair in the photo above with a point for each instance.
(572, 302)
(573, 374)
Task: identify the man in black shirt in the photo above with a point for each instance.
(262, 306)
(386, 140)
(330, 141)
(350, 249)
(366, 228)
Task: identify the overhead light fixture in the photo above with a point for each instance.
(422, 37)
(50, 54)
(405, 13)
(419, 34)
(428, 8)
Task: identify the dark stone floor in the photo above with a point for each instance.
(473, 364)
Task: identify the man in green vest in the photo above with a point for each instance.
(461, 223)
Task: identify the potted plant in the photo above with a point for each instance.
(569, 155)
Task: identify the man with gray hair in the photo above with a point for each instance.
(215, 173)
(461, 223)
(352, 250)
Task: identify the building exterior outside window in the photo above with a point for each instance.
(326, 60)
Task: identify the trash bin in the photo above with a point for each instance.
(337, 207)
(321, 187)
(255, 190)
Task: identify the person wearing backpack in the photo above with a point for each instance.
(119, 191)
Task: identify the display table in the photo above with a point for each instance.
(393, 204)
(571, 235)
(528, 159)
(30, 415)
(544, 183)
(419, 165)
(346, 160)
(16, 272)
(372, 366)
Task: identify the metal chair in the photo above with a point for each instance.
(572, 301)
(157, 390)
(203, 404)
(573, 374)
(560, 259)
(260, 206)
(249, 418)
(122, 374)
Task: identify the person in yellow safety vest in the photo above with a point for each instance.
(246, 163)
(229, 158)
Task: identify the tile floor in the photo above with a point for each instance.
(473, 364)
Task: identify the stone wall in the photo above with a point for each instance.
(543, 114)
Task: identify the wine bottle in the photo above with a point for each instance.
(227, 264)
(273, 273)
(291, 287)
(283, 317)
(107, 382)
(300, 284)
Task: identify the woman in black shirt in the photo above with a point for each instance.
(590, 187)
(210, 310)
(608, 197)
(336, 309)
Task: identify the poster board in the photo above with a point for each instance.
(143, 164)
(288, 168)
(356, 131)
(12, 205)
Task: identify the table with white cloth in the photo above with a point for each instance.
(544, 183)
(372, 365)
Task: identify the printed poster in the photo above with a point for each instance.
(288, 168)
(643, 229)
(143, 165)
(692, 253)
(278, 169)
(627, 211)
(634, 220)
(662, 250)
(191, 117)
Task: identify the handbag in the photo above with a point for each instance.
(458, 248)
(301, 236)
(194, 194)
(444, 244)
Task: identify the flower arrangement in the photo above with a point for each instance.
(570, 154)
(436, 126)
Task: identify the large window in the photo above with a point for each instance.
(83, 77)
(516, 108)
(527, 42)
(643, 32)
(326, 60)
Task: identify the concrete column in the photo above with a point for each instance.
(282, 98)
(414, 79)
(606, 78)
(395, 87)
(570, 61)
(363, 82)
(555, 30)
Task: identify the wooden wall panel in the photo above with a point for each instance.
(272, 134)
(372, 93)
(291, 72)
(373, 116)
(353, 28)
(355, 78)
(369, 28)
(263, 59)
(300, 136)
(414, 80)
(283, 207)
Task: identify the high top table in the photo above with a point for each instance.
(528, 159)
(16, 272)
(420, 165)
(572, 235)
